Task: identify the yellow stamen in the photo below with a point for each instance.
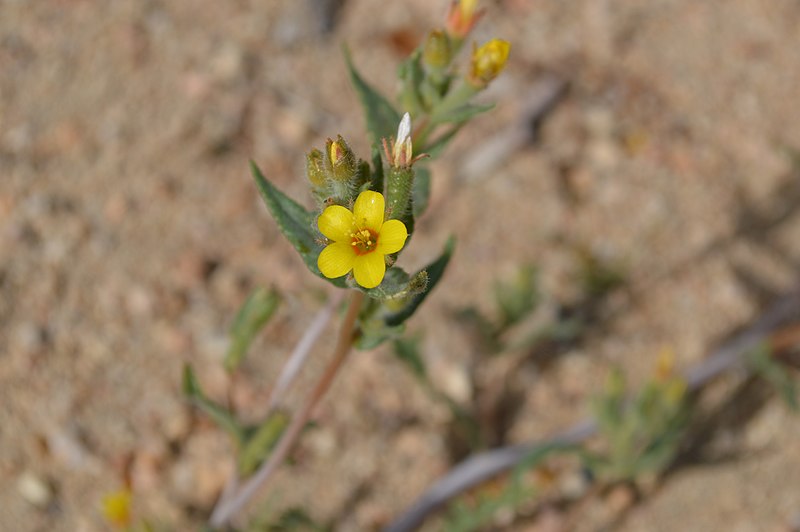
(363, 241)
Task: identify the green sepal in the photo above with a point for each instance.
(295, 222)
(259, 442)
(218, 414)
(252, 317)
(382, 118)
(434, 272)
(420, 191)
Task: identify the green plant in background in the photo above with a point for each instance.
(512, 329)
(642, 434)
(764, 365)
(364, 216)
(514, 299)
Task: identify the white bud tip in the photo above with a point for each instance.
(404, 129)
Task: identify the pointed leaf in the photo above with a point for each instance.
(382, 118)
(412, 75)
(295, 222)
(437, 145)
(252, 317)
(260, 442)
(219, 415)
(434, 270)
(421, 191)
(407, 350)
(517, 297)
(461, 114)
(376, 178)
(372, 338)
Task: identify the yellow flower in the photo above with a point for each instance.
(361, 240)
(488, 61)
(117, 508)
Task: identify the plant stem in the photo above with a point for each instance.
(227, 507)
(301, 352)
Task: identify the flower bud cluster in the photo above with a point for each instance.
(431, 82)
(336, 175)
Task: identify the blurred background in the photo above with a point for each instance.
(642, 157)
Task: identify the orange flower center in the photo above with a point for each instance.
(363, 241)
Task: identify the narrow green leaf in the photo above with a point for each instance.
(407, 350)
(461, 114)
(260, 442)
(517, 297)
(434, 270)
(382, 118)
(765, 366)
(295, 222)
(377, 169)
(252, 317)
(219, 415)
(295, 520)
(421, 192)
(412, 75)
(437, 145)
(370, 338)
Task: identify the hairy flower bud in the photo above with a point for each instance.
(315, 169)
(341, 161)
(437, 52)
(488, 61)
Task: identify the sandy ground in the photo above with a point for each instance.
(130, 232)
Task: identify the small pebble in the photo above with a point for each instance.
(34, 489)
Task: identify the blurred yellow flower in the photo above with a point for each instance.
(116, 508)
(488, 61)
(361, 239)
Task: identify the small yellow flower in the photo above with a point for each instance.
(488, 61)
(361, 240)
(117, 508)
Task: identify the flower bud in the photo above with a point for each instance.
(488, 61)
(402, 149)
(462, 17)
(315, 169)
(437, 53)
(341, 161)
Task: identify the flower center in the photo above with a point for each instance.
(363, 241)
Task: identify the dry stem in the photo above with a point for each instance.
(227, 507)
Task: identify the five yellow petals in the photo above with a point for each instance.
(360, 239)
